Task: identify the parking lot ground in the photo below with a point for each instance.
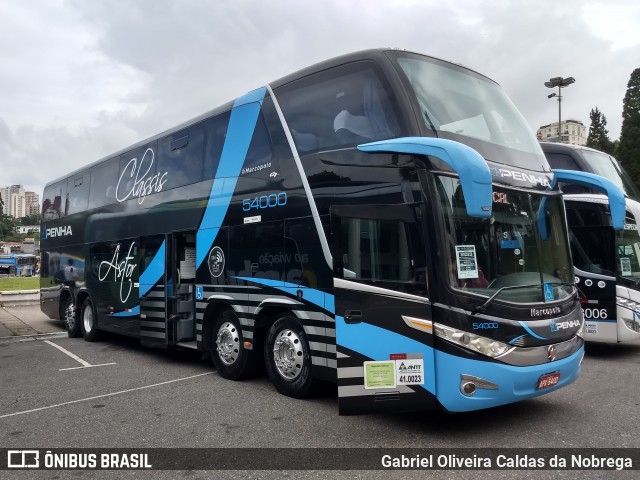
(63, 392)
(26, 320)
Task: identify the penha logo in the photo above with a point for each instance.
(557, 326)
(54, 232)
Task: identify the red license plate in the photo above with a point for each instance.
(549, 380)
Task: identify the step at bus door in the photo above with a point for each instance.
(152, 290)
(384, 341)
(181, 305)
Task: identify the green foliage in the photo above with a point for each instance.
(598, 134)
(629, 148)
(30, 220)
(7, 228)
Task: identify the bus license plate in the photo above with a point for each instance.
(548, 380)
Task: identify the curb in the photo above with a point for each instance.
(31, 338)
(18, 298)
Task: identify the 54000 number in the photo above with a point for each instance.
(264, 201)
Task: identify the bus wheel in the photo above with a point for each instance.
(229, 356)
(71, 323)
(288, 359)
(88, 321)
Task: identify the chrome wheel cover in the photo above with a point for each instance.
(288, 356)
(228, 343)
(70, 316)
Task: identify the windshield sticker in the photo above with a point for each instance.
(548, 292)
(625, 266)
(466, 261)
(380, 374)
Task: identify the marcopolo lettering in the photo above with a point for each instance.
(541, 312)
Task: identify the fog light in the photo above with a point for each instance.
(468, 388)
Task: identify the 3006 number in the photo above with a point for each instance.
(595, 313)
(264, 201)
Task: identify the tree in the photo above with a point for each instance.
(30, 219)
(629, 148)
(598, 135)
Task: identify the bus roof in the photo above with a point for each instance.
(377, 54)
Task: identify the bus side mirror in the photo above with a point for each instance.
(475, 176)
(617, 203)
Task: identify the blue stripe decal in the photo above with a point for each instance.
(242, 124)
(321, 299)
(377, 343)
(516, 339)
(531, 332)
(127, 313)
(153, 272)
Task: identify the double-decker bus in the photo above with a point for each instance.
(384, 220)
(20, 264)
(606, 263)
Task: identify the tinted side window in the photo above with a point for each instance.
(104, 178)
(139, 175)
(181, 156)
(260, 150)
(375, 250)
(342, 106)
(216, 131)
(78, 192)
(55, 201)
(560, 160)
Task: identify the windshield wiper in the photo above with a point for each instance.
(483, 306)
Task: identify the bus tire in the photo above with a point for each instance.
(288, 358)
(70, 318)
(231, 359)
(88, 321)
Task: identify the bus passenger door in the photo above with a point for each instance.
(180, 291)
(152, 289)
(384, 341)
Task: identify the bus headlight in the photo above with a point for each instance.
(486, 346)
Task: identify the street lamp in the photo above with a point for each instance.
(560, 83)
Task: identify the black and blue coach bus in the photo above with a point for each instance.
(606, 263)
(384, 220)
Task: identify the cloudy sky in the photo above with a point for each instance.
(80, 79)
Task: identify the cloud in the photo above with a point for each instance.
(81, 80)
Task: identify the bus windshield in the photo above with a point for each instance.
(465, 106)
(507, 249)
(628, 246)
(608, 167)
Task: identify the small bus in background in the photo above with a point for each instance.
(606, 263)
(18, 264)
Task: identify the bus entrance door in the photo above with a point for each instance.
(181, 306)
(384, 341)
(152, 291)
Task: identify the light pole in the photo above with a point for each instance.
(560, 83)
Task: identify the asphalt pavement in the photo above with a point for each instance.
(27, 320)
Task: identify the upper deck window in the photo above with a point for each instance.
(339, 107)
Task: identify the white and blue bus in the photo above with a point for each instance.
(384, 220)
(606, 263)
(18, 264)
